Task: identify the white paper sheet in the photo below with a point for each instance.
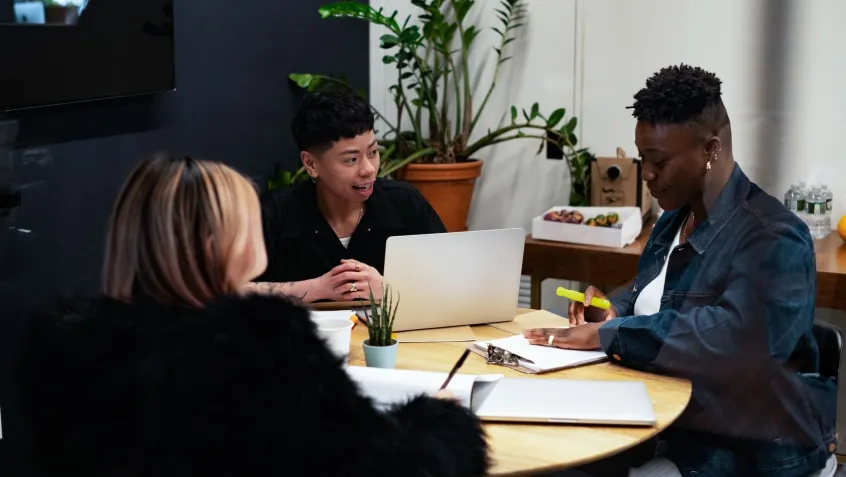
(392, 386)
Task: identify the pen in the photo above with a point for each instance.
(600, 303)
(455, 369)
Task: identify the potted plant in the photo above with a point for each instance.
(380, 349)
(438, 153)
(282, 178)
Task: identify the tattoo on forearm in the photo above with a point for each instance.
(279, 289)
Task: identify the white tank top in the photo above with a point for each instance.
(649, 300)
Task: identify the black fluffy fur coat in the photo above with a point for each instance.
(244, 387)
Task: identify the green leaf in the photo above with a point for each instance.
(470, 35)
(513, 114)
(461, 8)
(358, 11)
(315, 83)
(555, 117)
(388, 59)
(303, 80)
(521, 134)
(526, 115)
(535, 110)
(571, 125)
(388, 41)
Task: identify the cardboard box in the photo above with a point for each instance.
(628, 231)
(617, 182)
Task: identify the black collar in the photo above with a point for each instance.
(380, 212)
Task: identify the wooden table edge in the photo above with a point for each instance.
(636, 375)
(603, 455)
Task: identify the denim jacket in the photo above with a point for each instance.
(736, 319)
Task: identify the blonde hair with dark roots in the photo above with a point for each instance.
(177, 228)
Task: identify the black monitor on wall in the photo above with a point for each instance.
(66, 51)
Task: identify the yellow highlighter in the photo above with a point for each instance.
(600, 303)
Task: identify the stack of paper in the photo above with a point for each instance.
(391, 386)
(541, 359)
(495, 398)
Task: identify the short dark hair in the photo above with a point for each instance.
(328, 116)
(681, 94)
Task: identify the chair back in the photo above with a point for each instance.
(830, 342)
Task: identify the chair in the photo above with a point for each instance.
(830, 342)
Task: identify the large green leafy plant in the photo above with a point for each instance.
(433, 93)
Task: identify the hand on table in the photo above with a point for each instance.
(353, 280)
(578, 313)
(584, 337)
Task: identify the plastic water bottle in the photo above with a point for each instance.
(794, 200)
(829, 201)
(815, 208)
(803, 188)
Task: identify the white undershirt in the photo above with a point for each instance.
(345, 241)
(649, 300)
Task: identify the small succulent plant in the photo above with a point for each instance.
(380, 319)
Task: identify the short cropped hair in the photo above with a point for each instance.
(681, 94)
(328, 116)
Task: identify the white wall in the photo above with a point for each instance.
(625, 42)
(591, 56)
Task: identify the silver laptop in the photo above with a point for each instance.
(564, 401)
(453, 279)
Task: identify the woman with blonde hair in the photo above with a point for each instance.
(174, 372)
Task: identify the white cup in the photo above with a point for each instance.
(337, 333)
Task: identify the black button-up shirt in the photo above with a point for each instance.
(301, 245)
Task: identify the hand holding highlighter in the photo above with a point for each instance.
(597, 302)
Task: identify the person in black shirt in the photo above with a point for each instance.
(326, 237)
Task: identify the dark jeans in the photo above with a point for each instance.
(617, 465)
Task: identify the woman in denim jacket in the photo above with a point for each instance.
(724, 296)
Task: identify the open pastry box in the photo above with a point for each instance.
(602, 226)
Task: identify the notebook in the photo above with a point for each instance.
(391, 386)
(516, 352)
(495, 398)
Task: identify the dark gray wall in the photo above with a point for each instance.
(233, 103)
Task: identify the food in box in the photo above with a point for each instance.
(610, 219)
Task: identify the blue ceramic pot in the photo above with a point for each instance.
(380, 356)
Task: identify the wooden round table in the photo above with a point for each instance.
(520, 449)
